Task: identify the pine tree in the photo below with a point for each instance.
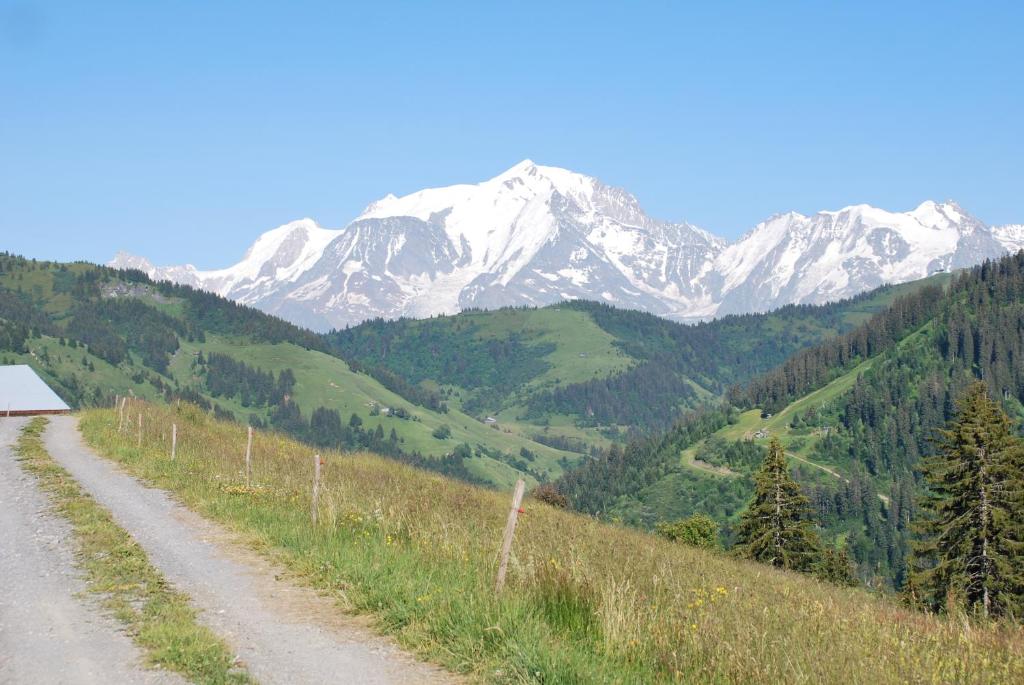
(835, 567)
(971, 546)
(776, 528)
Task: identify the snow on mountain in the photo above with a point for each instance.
(1011, 237)
(793, 258)
(534, 235)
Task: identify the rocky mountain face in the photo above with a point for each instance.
(535, 235)
(1011, 237)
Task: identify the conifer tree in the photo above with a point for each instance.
(776, 528)
(835, 567)
(971, 546)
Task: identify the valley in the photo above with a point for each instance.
(628, 417)
(518, 343)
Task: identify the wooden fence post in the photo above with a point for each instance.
(174, 440)
(314, 507)
(248, 460)
(510, 529)
(120, 416)
(140, 429)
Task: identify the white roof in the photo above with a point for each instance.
(22, 390)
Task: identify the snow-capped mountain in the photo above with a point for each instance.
(791, 258)
(536, 235)
(1011, 237)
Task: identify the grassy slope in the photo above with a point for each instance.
(158, 618)
(586, 602)
(322, 380)
(778, 425)
(858, 313)
(66, 362)
(583, 350)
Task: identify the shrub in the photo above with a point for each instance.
(699, 530)
(549, 494)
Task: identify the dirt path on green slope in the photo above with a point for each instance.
(282, 632)
(884, 498)
(818, 466)
(51, 631)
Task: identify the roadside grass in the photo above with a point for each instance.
(586, 602)
(158, 618)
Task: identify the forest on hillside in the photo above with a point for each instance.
(676, 366)
(111, 328)
(927, 348)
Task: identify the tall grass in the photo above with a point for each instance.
(586, 601)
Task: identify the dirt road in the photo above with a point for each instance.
(50, 629)
(282, 632)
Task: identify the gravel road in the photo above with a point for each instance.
(50, 630)
(281, 632)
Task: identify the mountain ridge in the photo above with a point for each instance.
(535, 235)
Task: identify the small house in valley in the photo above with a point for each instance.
(24, 393)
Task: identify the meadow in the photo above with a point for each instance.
(586, 602)
(326, 381)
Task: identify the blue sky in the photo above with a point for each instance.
(182, 130)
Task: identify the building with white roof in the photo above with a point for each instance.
(24, 393)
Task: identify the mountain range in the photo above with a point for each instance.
(535, 235)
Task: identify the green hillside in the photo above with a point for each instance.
(581, 374)
(486, 396)
(95, 333)
(855, 414)
(584, 601)
(326, 381)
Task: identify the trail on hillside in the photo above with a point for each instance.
(281, 631)
(832, 473)
(819, 466)
(51, 631)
